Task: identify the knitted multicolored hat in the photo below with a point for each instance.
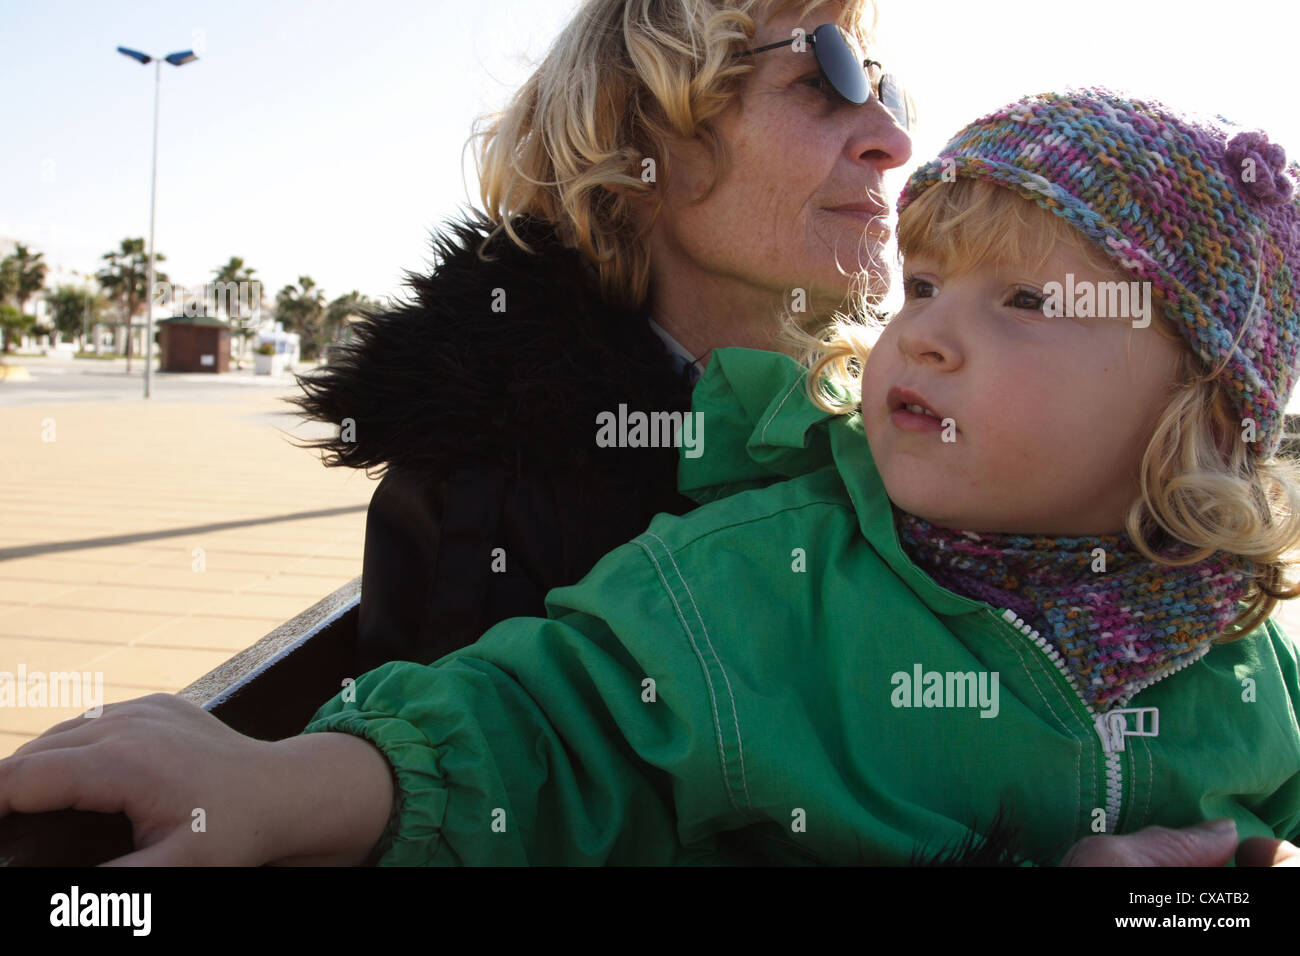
(1204, 211)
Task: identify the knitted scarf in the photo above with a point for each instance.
(1118, 630)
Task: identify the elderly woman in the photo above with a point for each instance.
(670, 180)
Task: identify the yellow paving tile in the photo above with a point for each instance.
(149, 600)
(32, 592)
(224, 633)
(167, 667)
(36, 654)
(68, 624)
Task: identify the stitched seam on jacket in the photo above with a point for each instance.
(797, 382)
(740, 745)
(708, 680)
(1146, 806)
(1020, 651)
(841, 504)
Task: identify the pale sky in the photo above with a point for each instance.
(325, 139)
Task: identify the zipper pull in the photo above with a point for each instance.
(1112, 726)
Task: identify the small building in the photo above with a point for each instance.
(198, 344)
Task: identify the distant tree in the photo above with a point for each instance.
(302, 309)
(125, 279)
(8, 292)
(235, 271)
(73, 308)
(31, 273)
(13, 323)
(22, 275)
(338, 311)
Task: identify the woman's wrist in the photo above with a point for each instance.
(342, 798)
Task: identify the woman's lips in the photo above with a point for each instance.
(875, 218)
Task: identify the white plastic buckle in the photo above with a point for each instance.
(1113, 727)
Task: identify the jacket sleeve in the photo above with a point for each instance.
(584, 738)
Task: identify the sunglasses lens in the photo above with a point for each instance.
(894, 98)
(841, 60)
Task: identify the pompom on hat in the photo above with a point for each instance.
(1206, 212)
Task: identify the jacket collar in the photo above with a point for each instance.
(763, 427)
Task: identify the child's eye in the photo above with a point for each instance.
(1026, 299)
(914, 288)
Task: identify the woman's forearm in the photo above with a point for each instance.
(339, 795)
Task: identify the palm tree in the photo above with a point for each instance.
(236, 272)
(125, 278)
(8, 290)
(22, 275)
(341, 309)
(302, 309)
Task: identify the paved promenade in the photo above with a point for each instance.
(149, 540)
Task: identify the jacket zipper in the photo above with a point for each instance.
(1112, 726)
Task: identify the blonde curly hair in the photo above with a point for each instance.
(1200, 485)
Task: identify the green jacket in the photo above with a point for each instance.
(760, 679)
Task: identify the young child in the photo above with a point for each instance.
(1044, 591)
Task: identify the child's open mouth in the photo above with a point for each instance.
(911, 412)
(911, 418)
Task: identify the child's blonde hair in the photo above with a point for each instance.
(1200, 484)
(623, 78)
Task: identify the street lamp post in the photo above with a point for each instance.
(175, 59)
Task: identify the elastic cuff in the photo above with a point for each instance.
(413, 834)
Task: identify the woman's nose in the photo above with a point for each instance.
(877, 138)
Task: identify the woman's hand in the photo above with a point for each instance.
(199, 793)
(1213, 843)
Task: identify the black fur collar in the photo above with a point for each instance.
(443, 382)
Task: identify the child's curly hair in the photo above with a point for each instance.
(1200, 484)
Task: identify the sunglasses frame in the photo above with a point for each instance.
(899, 105)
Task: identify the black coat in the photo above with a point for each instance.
(484, 424)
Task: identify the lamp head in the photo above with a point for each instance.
(135, 54)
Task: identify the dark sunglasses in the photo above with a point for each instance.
(848, 71)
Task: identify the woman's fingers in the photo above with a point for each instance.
(1263, 851)
(1206, 844)
(54, 779)
(79, 731)
(46, 740)
(182, 848)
